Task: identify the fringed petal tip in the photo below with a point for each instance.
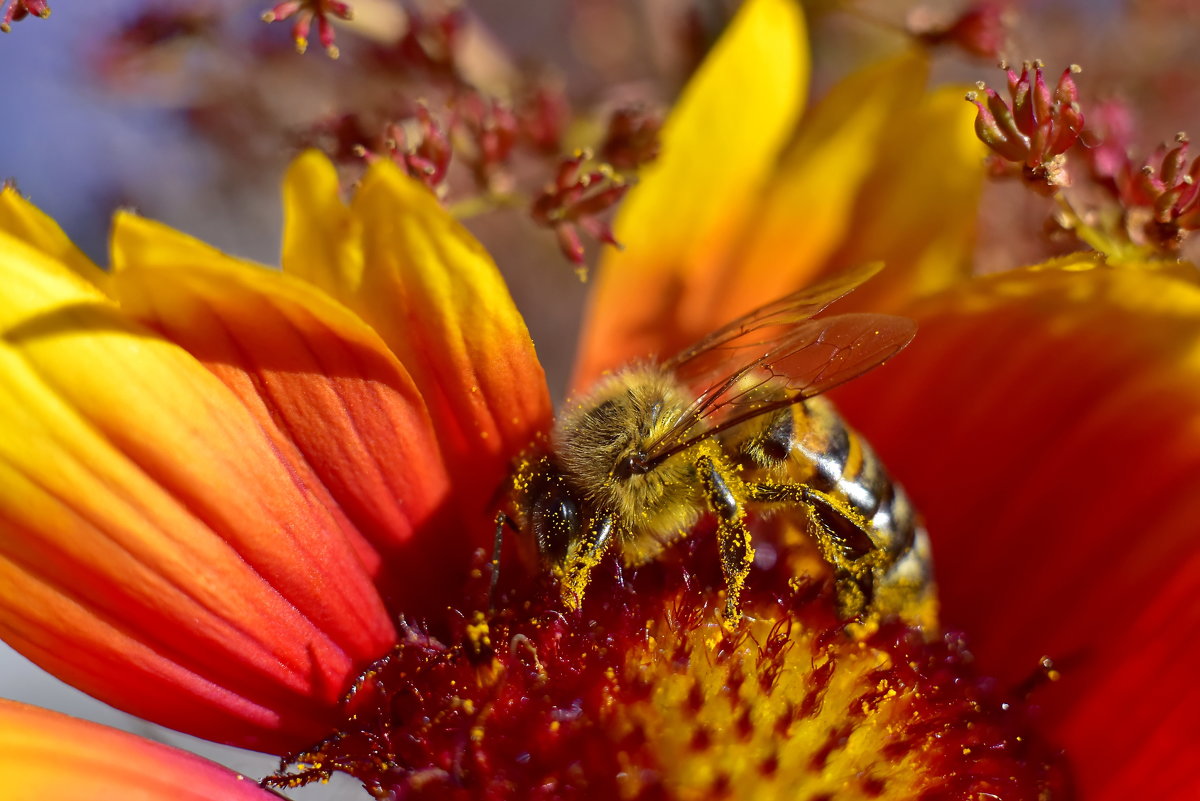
(25, 222)
(418, 277)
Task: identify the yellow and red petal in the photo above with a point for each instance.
(159, 551)
(47, 755)
(320, 382)
(677, 226)
(1047, 423)
(399, 260)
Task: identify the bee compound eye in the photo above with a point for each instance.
(556, 521)
(633, 465)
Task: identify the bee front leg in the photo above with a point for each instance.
(733, 537)
(583, 555)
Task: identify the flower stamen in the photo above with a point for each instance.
(20, 9)
(305, 13)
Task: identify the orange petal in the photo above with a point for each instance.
(435, 296)
(159, 551)
(719, 147)
(320, 382)
(47, 755)
(1048, 425)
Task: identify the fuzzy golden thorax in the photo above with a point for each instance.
(619, 419)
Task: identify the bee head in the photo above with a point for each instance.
(602, 441)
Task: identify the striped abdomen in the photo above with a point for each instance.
(810, 444)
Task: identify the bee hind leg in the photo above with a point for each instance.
(843, 536)
(733, 538)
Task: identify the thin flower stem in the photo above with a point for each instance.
(489, 201)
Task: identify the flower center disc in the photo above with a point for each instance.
(644, 694)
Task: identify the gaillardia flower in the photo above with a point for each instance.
(258, 506)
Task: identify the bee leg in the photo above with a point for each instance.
(583, 555)
(501, 521)
(843, 536)
(620, 574)
(733, 537)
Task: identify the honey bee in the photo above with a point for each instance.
(731, 425)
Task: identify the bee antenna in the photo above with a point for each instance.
(501, 521)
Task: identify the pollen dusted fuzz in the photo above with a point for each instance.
(728, 426)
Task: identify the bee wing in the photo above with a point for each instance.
(752, 332)
(800, 359)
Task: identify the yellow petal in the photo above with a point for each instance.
(719, 147)
(26, 222)
(321, 238)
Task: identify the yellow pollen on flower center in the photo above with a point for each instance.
(769, 715)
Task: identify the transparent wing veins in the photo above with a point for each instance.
(780, 356)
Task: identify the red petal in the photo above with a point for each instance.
(1046, 424)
